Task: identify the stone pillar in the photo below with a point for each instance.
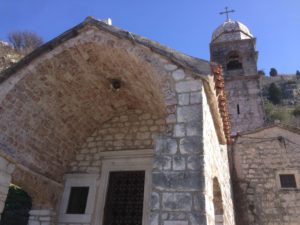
(178, 173)
(6, 169)
(41, 217)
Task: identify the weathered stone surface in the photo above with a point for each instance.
(177, 201)
(170, 67)
(162, 162)
(179, 162)
(178, 75)
(174, 216)
(155, 201)
(199, 202)
(189, 113)
(195, 98)
(178, 181)
(191, 145)
(183, 99)
(175, 222)
(259, 158)
(188, 86)
(154, 218)
(179, 130)
(166, 146)
(197, 219)
(195, 162)
(194, 129)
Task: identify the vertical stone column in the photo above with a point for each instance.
(178, 180)
(41, 217)
(6, 169)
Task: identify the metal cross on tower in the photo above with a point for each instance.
(227, 12)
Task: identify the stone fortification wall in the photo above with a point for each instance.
(259, 158)
(289, 85)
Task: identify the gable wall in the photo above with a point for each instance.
(258, 158)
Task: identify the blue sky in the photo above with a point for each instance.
(184, 25)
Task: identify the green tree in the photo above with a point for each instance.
(261, 72)
(275, 94)
(273, 72)
(298, 73)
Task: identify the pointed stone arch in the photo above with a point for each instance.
(218, 202)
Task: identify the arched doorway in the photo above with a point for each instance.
(218, 202)
(17, 207)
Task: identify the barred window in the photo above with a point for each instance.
(287, 180)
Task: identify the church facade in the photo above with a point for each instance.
(100, 126)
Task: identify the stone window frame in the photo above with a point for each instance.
(288, 171)
(125, 162)
(78, 180)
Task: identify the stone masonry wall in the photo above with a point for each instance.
(131, 131)
(246, 95)
(178, 171)
(258, 159)
(216, 166)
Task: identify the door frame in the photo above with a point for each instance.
(125, 162)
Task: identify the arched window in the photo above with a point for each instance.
(218, 202)
(234, 61)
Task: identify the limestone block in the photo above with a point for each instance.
(178, 162)
(177, 201)
(195, 97)
(179, 130)
(189, 113)
(162, 162)
(153, 219)
(199, 202)
(195, 162)
(174, 222)
(178, 181)
(194, 129)
(178, 75)
(197, 219)
(191, 145)
(188, 86)
(155, 201)
(183, 99)
(170, 67)
(165, 146)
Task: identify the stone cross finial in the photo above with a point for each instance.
(227, 12)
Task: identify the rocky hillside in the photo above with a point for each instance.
(8, 55)
(282, 100)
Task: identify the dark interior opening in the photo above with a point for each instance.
(287, 180)
(77, 200)
(125, 197)
(17, 206)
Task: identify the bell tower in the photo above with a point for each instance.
(234, 47)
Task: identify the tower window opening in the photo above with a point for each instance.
(238, 109)
(234, 61)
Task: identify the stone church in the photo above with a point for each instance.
(101, 126)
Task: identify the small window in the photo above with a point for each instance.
(238, 109)
(287, 180)
(77, 200)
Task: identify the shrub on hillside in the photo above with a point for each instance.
(296, 111)
(273, 72)
(275, 94)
